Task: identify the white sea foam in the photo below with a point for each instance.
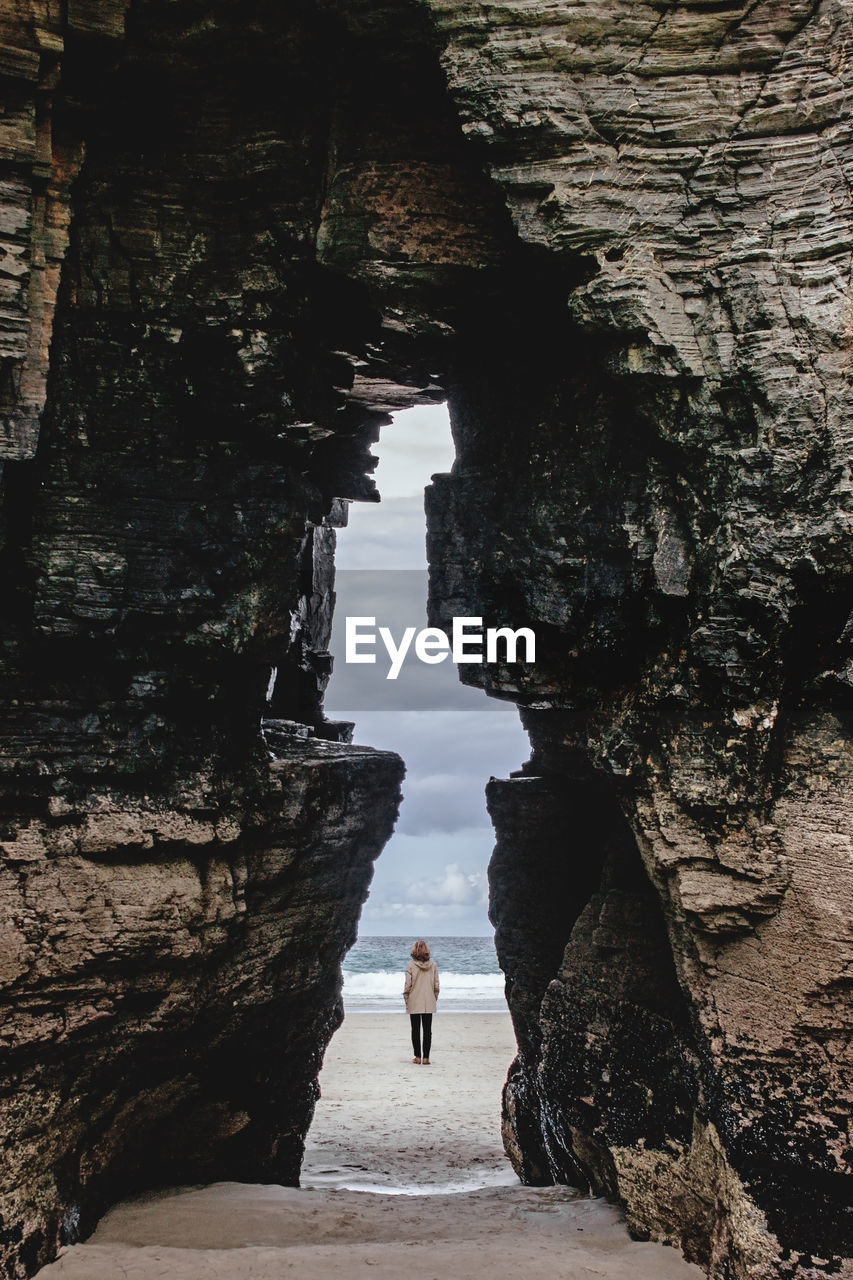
(384, 989)
(344, 1178)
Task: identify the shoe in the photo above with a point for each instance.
(416, 1060)
(426, 1062)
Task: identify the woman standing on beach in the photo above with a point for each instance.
(420, 993)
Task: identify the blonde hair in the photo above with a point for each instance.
(420, 951)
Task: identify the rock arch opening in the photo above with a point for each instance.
(431, 879)
(239, 235)
(449, 735)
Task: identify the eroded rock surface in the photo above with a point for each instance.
(669, 501)
(177, 888)
(617, 237)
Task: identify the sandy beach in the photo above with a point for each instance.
(404, 1175)
(383, 1122)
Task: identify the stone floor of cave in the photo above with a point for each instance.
(404, 1175)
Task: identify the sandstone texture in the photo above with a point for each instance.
(668, 499)
(617, 238)
(186, 841)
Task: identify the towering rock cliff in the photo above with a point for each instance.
(661, 484)
(617, 238)
(178, 888)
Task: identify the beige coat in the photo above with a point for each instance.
(421, 986)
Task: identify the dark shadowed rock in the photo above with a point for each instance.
(617, 237)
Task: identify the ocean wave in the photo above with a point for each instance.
(388, 985)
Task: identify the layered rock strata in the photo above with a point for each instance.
(617, 237)
(178, 888)
(171, 978)
(665, 495)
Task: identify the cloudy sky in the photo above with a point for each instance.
(431, 878)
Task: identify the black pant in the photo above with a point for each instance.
(417, 1019)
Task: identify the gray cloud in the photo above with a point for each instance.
(416, 444)
(431, 877)
(443, 823)
(455, 887)
(418, 890)
(450, 756)
(396, 600)
(390, 534)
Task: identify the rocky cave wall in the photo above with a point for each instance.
(178, 888)
(668, 500)
(616, 237)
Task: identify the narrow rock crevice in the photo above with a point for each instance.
(231, 244)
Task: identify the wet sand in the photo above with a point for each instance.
(446, 1206)
(383, 1122)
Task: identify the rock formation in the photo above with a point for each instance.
(616, 236)
(668, 499)
(178, 889)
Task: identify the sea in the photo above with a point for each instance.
(468, 972)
